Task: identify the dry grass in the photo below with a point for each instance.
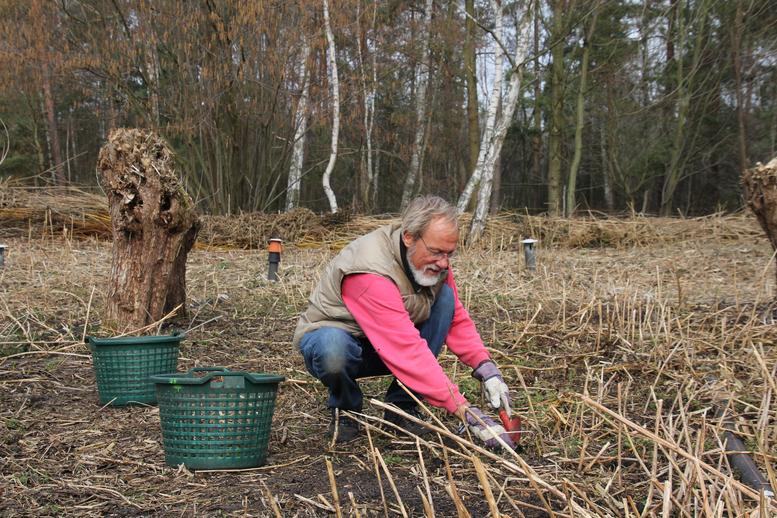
(74, 212)
(616, 356)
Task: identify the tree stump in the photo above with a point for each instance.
(760, 183)
(154, 227)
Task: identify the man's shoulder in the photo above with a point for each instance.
(383, 232)
(379, 240)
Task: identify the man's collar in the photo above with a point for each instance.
(406, 265)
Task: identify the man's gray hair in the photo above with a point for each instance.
(423, 210)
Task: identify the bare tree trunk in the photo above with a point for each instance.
(154, 227)
(368, 183)
(496, 192)
(536, 140)
(556, 111)
(773, 125)
(421, 81)
(300, 134)
(470, 74)
(152, 76)
(334, 84)
(494, 147)
(737, 33)
(38, 149)
(607, 174)
(111, 116)
(685, 83)
(669, 80)
(68, 133)
(491, 115)
(579, 123)
(52, 133)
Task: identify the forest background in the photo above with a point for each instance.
(548, 106)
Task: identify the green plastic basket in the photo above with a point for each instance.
(214, 418)
(123, 366)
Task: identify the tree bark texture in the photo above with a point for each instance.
(571, 202)
(470, 74)
(154, 227)
(737, 34)
(293, 185)
(760, 184)
(536, 139)
(556, 122)
(334, 84)
(491, 114)
(368, 179)
(491, 149)
(55, 149)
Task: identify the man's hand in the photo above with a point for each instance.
(485, 429)
(497, 392)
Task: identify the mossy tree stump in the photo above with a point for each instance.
(760, 185)
(154, 226)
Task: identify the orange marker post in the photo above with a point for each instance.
(274, 249)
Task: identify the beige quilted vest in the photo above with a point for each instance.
(377, 252)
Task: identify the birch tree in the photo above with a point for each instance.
(421, 81)
(334, 84)
(369, 180)
(300, 132)
(491, 114)
(497, 125)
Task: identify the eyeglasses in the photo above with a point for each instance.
(437, 254)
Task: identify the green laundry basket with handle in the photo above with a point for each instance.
(123, 366)
(214, 418)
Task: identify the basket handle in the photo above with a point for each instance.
(209, 369)
(229, 379)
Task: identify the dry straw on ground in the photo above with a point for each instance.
(617, 350)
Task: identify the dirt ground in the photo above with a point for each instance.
(589, 321)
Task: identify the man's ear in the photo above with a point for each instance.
(407, 238)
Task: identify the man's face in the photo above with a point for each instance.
(429, 255)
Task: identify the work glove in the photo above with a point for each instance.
(486, 429)
(497, 393)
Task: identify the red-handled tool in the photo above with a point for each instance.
(511, 424)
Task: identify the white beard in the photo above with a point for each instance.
(429, 276)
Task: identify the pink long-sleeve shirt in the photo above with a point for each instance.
(376, 304)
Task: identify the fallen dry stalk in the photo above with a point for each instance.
(374, 457)
(391, 483)
(428, 500)
(461, 509)
(521, 467)
(273, 504)
(486, 486)
(333, 484)
(695, 461)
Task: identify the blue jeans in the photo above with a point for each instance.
(338, 359)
